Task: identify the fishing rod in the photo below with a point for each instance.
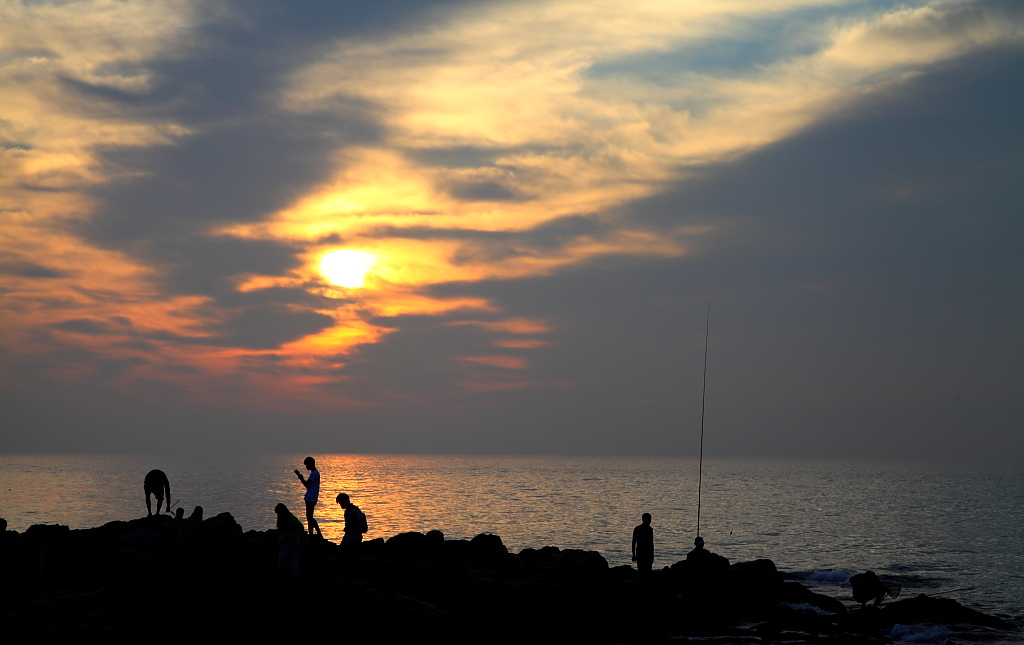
(941, 593)
(700, 466)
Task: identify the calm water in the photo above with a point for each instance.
(933, 528)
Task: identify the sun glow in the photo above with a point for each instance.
(346, 267)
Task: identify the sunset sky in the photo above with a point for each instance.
(496, 227)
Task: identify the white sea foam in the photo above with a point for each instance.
(804, 606)
(835, 575)
(924, 633)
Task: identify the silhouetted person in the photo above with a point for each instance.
(643, 546)
(197, 514)
(698, 552)
(179, 513)
(355, 526)
(312, 485)
(868, 585)
(289, 536)
(156, 484)
(702, 562)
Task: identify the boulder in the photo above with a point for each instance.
(410, 538)
(937, 610)
(223, 523)
(488, 545)
(797, 594)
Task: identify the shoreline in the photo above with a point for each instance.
(414, 586)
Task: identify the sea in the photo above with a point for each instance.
(950, 531)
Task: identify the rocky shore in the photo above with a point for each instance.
(164, 580)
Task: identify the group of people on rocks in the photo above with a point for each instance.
(289, 528)
(642, 547)
(290, 532)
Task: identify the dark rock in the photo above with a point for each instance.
(488, 545)
(796, 593)
(576, 562)
(48, 534)
(624, 572)
(412, 538)
(413, 587)
(143, 542)
(435, 536)
(372, 548)
(754, 567)
(542, 555)
(223, 523)
(936, 610)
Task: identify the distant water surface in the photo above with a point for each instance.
(932, 528)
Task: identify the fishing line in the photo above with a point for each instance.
(700, 466)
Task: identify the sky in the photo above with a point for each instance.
(510, 226)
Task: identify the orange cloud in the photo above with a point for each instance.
(510, 326)
(510, 81)
(504, 362)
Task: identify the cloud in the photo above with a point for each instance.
(172, 174)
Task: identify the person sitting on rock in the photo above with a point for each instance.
(289, 537)
(698, 552)
(701, 561)
(643, 546)
(868, 585)
(197, 514)
(156, 484)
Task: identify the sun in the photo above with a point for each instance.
(346, 267)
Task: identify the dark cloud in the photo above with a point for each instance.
(28, 270)
(865, 285)
(84, 326)
(245, 158)
(864, 276)
(266, 327)
(483, 191)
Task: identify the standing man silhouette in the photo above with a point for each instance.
(312, 485)
(643, 546)
(156, 484)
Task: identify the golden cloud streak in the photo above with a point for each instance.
(504, 362)
(510, 81)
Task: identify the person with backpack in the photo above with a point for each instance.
(355, 526)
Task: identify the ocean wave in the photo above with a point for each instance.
(835, 575)
(924, 633)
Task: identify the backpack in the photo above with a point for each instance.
(360, 520)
